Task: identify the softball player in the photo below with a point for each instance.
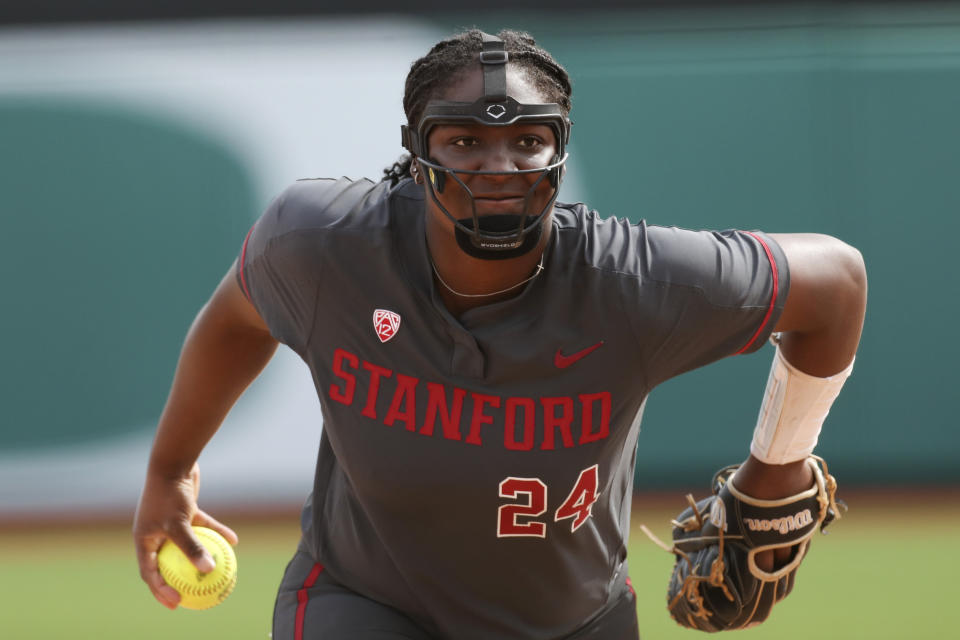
(482, 355)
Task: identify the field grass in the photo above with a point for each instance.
(884, 571)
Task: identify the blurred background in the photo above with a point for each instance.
(139, 142)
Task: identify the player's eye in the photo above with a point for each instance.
(465, 141)
(530, 142)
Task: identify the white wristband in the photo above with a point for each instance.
(795, 404)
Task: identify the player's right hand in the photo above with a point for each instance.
(167, 509)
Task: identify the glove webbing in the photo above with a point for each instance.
(690, 590)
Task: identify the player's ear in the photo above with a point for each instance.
(415, 171)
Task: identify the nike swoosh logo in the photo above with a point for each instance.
(562, 362)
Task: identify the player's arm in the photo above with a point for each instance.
(227, 346)
(823, 315)
(766, 512)
(820, 329)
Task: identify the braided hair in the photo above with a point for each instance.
(439, 69)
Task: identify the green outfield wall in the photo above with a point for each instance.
(116, 226)
(119, 218)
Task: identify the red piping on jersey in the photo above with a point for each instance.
(773, 296)
(302, 598)
(243, 261)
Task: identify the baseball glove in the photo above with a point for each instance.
(716, 584)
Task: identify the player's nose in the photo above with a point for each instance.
(498, 159)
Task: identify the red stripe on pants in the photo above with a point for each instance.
(302, 599)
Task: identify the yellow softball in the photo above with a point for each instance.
(200, 590)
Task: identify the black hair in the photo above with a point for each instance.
(437, 70)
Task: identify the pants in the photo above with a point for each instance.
(312, 606)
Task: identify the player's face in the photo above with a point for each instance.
(476, 147)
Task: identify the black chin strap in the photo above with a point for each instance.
(502, 250)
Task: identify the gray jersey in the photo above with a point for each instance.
(476, 473)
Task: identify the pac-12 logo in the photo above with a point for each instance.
(386, 324)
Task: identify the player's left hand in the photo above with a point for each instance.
(763, 481)
(717, 582)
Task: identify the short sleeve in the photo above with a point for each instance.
(278, 271)
(715, 294)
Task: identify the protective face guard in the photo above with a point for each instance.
(508, 235)
(493, 236)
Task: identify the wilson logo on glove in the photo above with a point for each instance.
(783, 525)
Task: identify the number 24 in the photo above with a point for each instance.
(578, 505)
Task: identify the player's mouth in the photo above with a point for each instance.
(499, 203)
